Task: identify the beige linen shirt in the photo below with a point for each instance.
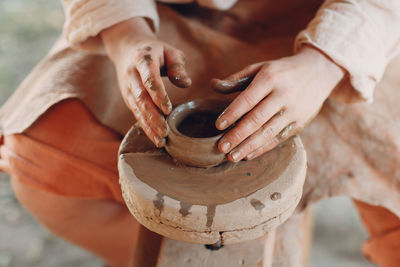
(361, 36)
(352, 150)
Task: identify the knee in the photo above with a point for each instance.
(60, 152)
(66, 124)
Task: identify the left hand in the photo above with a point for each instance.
(279, 99)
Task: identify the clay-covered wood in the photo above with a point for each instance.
(231, 202)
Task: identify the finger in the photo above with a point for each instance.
(285, 134)
(176, 67)
(245, 102)
(236, 82)
(145, 107)
(150, 112)
(153, 136)
(253, 121)
(149, 71)
(263, 149)
(264, 135)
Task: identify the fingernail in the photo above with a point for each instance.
(236, 155)
(167, 107)
(250, 156)
(225, 146)
(156, 140)
(160, 142)
(183, 81)
(222, 123)
(222, 83)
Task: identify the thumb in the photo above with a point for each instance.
(237, 81)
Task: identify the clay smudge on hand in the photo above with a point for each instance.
(177, 75)
(227, 86)
(149, 83)
(167, 104)
(163, 132)
(147, 58)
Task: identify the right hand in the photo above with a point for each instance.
(138, 56)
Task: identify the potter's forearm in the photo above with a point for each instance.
(118, 37)
(324, 66)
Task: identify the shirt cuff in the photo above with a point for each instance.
(361, 37)
(86, 19)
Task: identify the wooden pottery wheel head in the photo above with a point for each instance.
(231, 202)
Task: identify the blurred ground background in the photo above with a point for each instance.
(27, 31)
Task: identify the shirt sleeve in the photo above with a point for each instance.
(361, 36)
(85, 19)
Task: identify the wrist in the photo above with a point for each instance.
(322, 65)
(124, 34)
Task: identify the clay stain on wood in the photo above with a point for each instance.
(257, 204)
(206, 186)
(276, 196)
(159, 202)
(185, 209)
(210, 214)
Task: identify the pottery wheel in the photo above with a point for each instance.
(230, 203)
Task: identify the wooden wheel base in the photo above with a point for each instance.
(228, 203)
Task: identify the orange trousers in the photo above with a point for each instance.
(64, 171)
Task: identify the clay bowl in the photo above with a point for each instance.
(193, 137)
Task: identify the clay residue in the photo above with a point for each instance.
(185, 209)
(210, 215)
(159, 202)
(211, 186)
(275, 196)
(257, 204)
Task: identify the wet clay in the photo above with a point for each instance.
(205, 186)
(193, 137)
(199, 125)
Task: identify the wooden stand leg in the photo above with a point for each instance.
(293, 240)
(147, 248)
(252, 253)
(269, 249)
(287, 246)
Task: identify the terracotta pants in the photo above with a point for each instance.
(64, 171)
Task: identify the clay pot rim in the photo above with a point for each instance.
(192, 105)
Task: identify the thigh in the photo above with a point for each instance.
(64, 171)
(66, 152)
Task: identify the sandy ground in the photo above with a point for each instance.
(27, 30)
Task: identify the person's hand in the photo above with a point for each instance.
(140, 57)
(279, 99)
